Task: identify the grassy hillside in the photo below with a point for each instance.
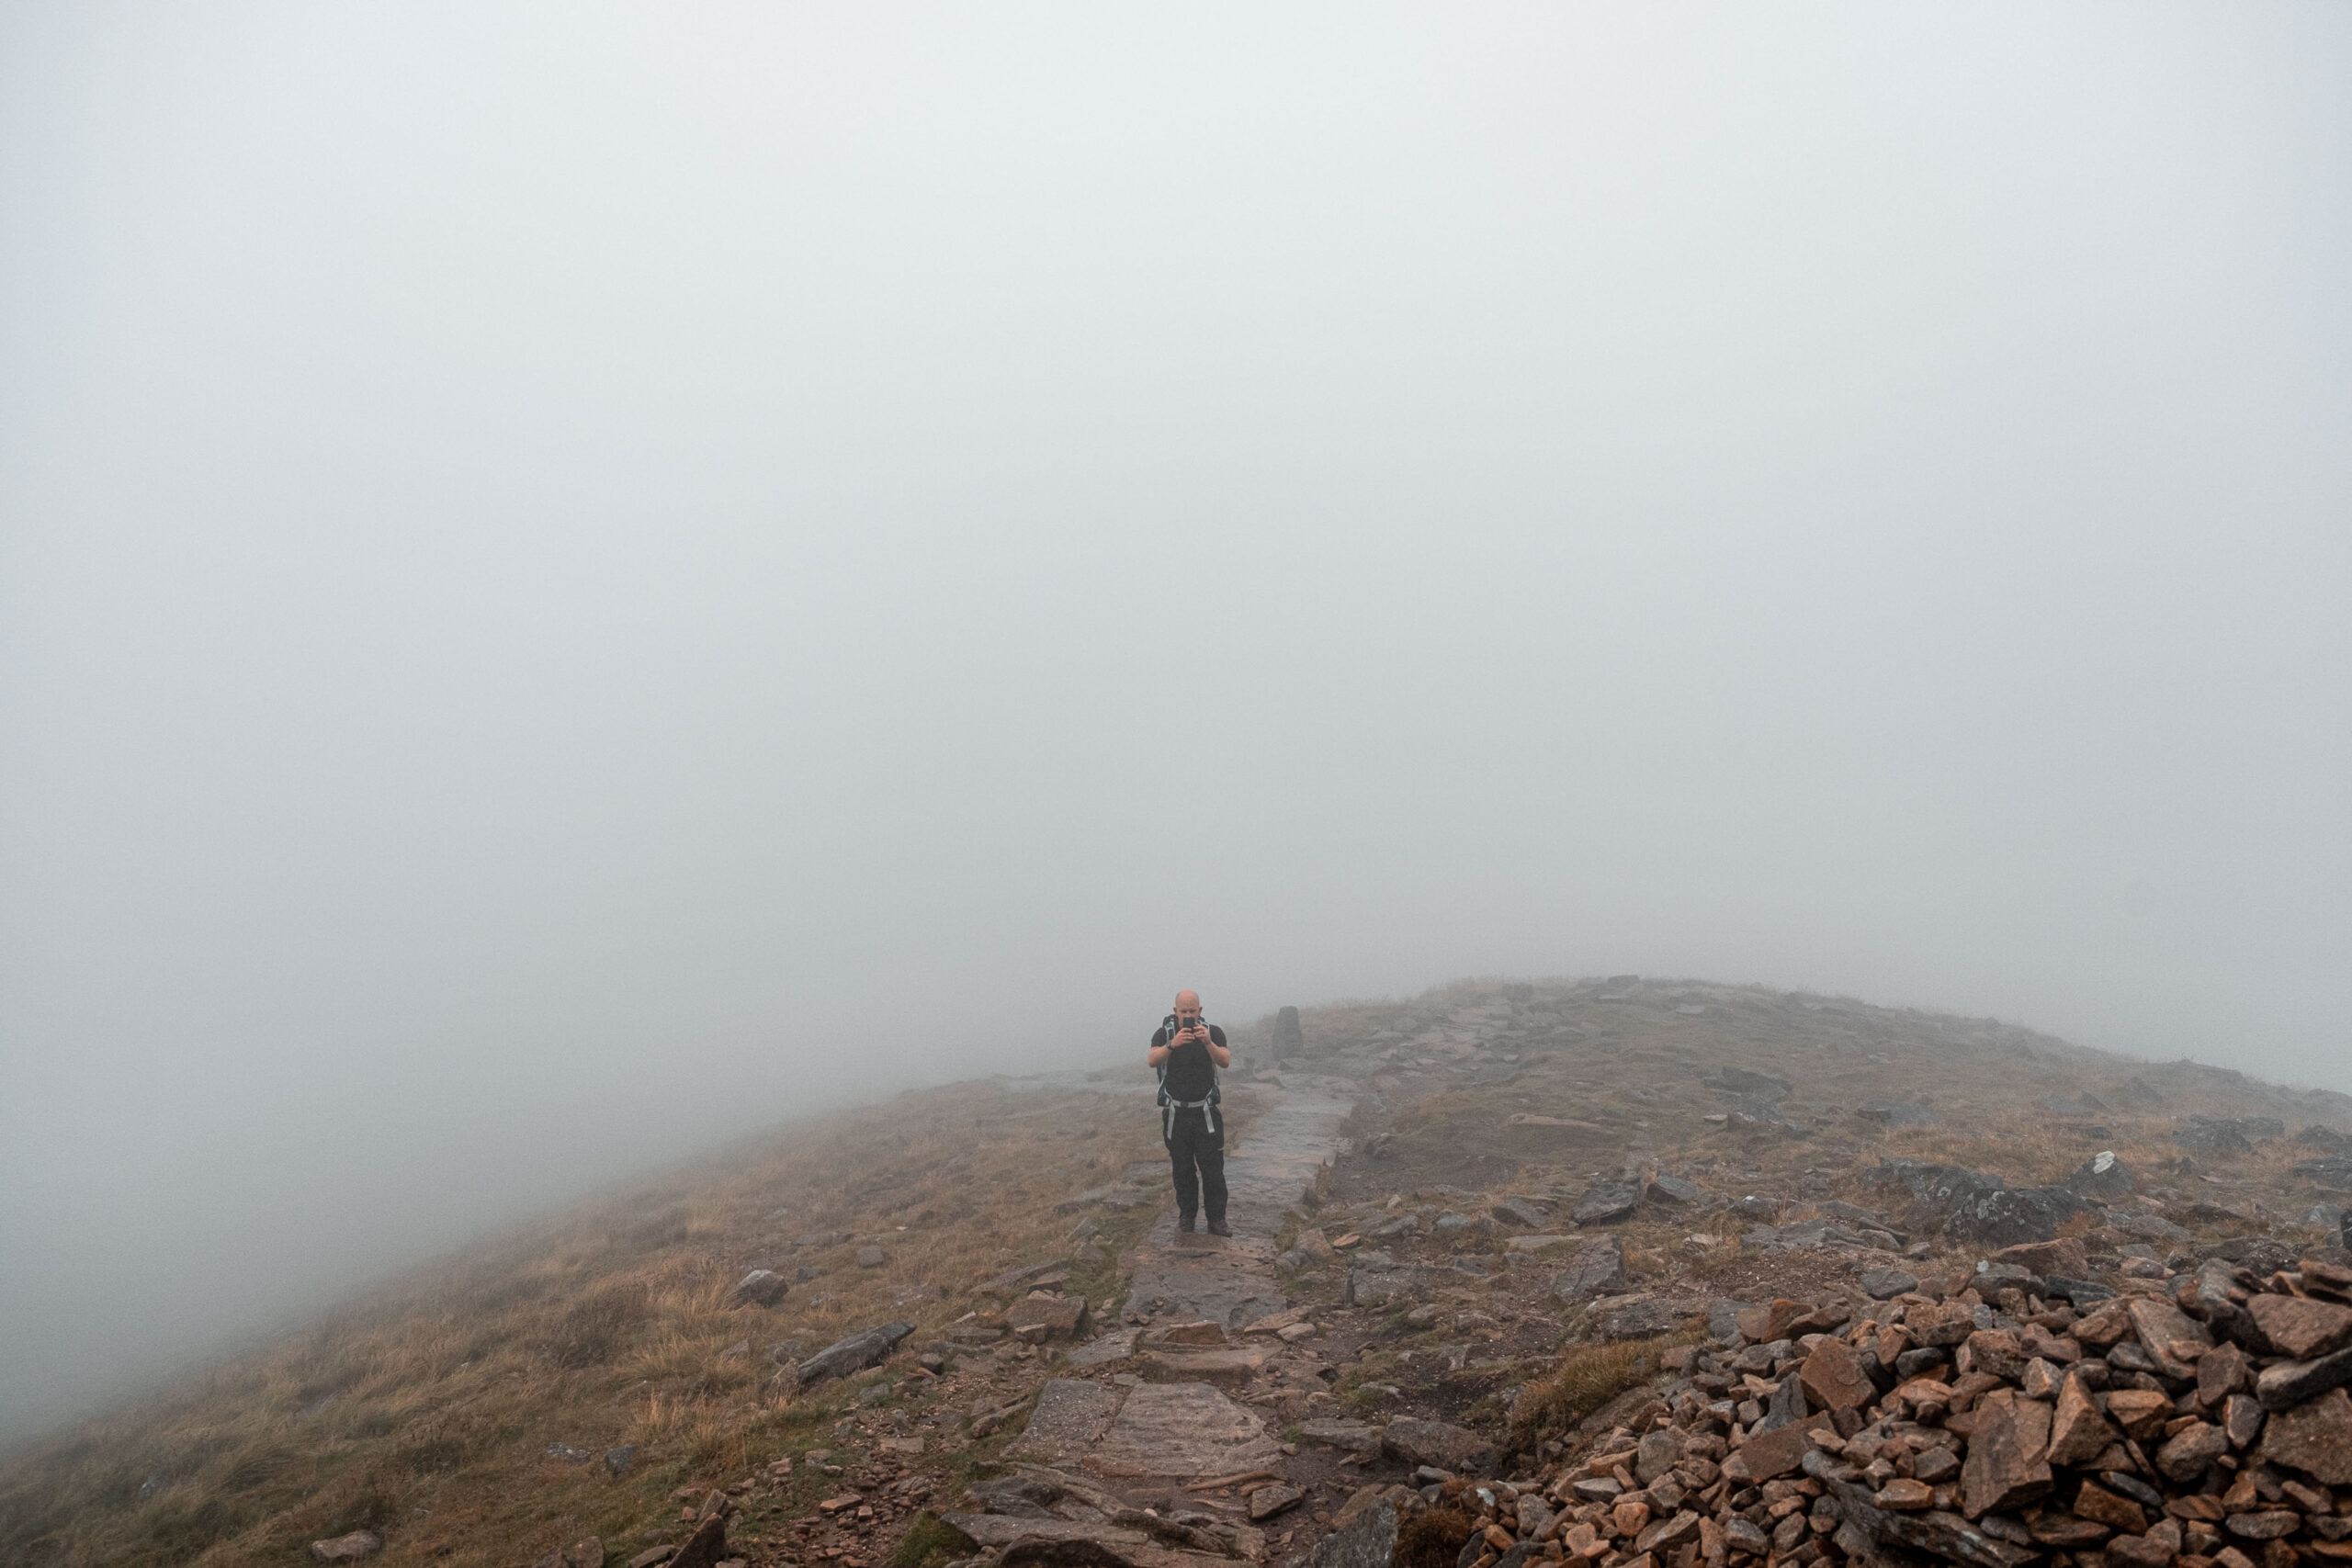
(428, 1409)
(465, 1410)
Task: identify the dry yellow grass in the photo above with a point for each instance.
(1587, 1378)
(426, 1407)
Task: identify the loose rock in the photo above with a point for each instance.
(2315, 1438)
(1438, 1443)
(854, 1353)
(1597, 1270)
(761, 1287)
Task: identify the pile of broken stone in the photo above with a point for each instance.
(2200, 1422)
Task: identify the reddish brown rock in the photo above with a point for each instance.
(1943, 1324)
(1994, 1351)
(1834, 1378)
(2065, 1256)
(2066, 1532)
(2141, 1412)
(2008, 1465)
(2078, 1433)
(1905, 1495)
(2140, 1551)
(1776, 1454)
(1765, 1323)
(1829, 1316)
(1038, 1318)
(2107, 1324)
(2095, 1502)
(1267, 1501)
(2167, 1332)
(2310, 1499)
(2220, 1372)
(1669, 1533)
(1935, 1466)
(2187, 1452)
(2315, 1438)
(1921, 1392)
(2302, 1328)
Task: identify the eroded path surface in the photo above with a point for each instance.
(1293, 1134)
(1145, 1415)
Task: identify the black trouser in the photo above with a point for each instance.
(1190, 1144)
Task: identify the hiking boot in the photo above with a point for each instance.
(1219, 1227)
(1184, 1223)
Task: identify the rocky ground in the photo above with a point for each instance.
(1635, 1273)
(1744, 1336)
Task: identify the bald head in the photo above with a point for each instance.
(1188, 1006)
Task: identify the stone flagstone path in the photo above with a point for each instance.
(1296, 1131)
(1186, 1429)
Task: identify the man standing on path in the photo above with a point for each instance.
(1188, 1052)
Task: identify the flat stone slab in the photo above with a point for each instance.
(1354, 1437)
(1293, 1132)
(1182, 1429)
(1374, 1287)
(996, 1531)
(1116, 1346)
(1002, 1530)
(1188, 1285)
(1540, 1243)
(1071, 1416)
(1037, 1318)
(1238, 1365)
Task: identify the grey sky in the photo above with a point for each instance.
(574, 582)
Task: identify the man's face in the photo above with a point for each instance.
(1188, 1011)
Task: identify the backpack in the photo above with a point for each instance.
(1217, 1094)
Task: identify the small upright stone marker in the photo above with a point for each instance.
(1289, 1040)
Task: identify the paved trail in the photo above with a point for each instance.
(1186, 1427)
(1186, 1279)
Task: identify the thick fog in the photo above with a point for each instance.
(574, 582)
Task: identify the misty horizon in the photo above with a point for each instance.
(571, 594)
